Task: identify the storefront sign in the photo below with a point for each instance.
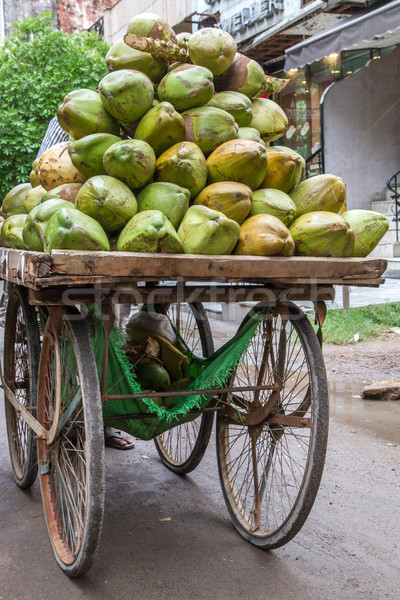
(258, 11)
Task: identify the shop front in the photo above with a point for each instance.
(301, 98)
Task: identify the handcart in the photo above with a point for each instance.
(271, 401)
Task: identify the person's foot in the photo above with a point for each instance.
(114, 438)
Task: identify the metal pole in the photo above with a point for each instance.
(346, 297)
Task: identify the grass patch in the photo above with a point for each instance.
(368, 322)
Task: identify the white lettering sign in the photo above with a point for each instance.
(257, 11)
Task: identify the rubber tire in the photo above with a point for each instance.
(316, 453)
(206, 419)
(94, 449)
(24, 474)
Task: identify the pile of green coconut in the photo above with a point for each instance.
(172, 153)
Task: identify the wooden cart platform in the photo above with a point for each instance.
(49, 275)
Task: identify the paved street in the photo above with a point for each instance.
(361, 296)
(170, 538)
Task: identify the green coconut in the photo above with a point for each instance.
(369, 228)
(149, 231)
(82, 113)
(131, 161)
(207, 231)
(186, 86)
(33, 176)
(87, 153)
(126, 94)
(185, 165)
(169, 198)
(70, 229)
(13, 203)
(161, 127)
(66, 191)
(244, 75)
(249, 133)
(11, 232)
(269, 119)
(243, 161)
(208, 127)
(152, 376)
(212, 48)
(176, 386)
(107, 200)
(273, 202)
(321, 192)
(236, 104)
(151, 25)
(322, 233)
(36, 222)
(33, 197)
(121, 56)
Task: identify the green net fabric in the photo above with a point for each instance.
(209, 373)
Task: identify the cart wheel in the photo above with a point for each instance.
(270, 462)
(182, 447)
(72, 475)
(21, 363)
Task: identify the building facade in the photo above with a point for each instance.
(174, 12)
(70, 15)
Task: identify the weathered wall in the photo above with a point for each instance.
(117, 18)
(20, 9)
(362, 129)
(80, 14)
(71, 15)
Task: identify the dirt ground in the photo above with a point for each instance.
(376, 360)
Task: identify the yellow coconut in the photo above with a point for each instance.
(264, 235)
(55, 167)
(231, 198)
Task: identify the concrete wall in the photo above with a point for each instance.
(20, 9)
(71, 15)
(362, 129)
(118, 16)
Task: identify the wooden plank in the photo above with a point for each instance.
(23, 267)
(70, 268)
(190, 267)
(117, 282)
(166, 294)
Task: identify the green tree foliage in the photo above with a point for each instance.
(38, 67)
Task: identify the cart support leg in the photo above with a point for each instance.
(108, 322)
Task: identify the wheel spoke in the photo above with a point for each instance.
(265, 469)
(73, 462)
(21, 356)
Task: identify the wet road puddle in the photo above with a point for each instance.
(379, 417)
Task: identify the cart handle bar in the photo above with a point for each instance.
(251, 388)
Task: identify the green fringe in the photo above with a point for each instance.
(212, 372)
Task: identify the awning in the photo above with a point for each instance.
(371, 27)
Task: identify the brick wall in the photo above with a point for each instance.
(80, 14)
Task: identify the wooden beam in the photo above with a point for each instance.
(70, 268)
(56, 296)
(23, 267)
(165, 267)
